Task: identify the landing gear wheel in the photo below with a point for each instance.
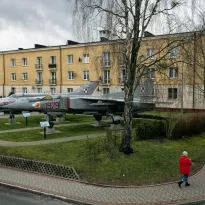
(117, 122)
(98, 117)
(51, 124)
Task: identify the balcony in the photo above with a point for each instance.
(39, 82)
(52, 67)
(106, 82)
(106, 64)
(52, 81)
(39, 66)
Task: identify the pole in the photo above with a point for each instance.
(44, 133)
(182, 91)
(194, 70)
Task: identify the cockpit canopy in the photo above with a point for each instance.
(18, 95)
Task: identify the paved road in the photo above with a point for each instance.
(10, 196)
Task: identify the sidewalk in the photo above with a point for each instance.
(93, 194)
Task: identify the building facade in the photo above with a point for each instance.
(175, 67)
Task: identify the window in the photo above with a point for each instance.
(150, 53)
(85, 58)
(39, 90)
(13, 76)
(69, 90)
(70, 75)
(106, 90)
(39, 77)
(53, 90)
(85, 75)
(173, 52)
(24, 90)
(24, 61)
(24, 76)
(70, 59)
(123, 76)
(39, 63)
(106, 76)
(150, 73)
(122, 59)
(173, 73)
(13, 89)
(106, 59)
(52, 60)
(13, 62)
(172, 93)
(53, 78)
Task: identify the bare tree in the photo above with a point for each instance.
(127, 20)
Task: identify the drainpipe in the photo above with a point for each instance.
(194, 69)
(3, 74)
(60, 69)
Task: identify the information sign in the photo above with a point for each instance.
(26, 114)
(44, 124)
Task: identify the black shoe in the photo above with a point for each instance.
(187, 184)
(179, 183)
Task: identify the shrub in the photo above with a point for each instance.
(170, 124)
(150, 129)
(189, 126)
(154, 117)
(96, 149)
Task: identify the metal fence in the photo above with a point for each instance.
(39, 167)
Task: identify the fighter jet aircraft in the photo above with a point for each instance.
(81, 102)
(12, 98)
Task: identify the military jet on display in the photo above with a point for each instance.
(82, 102)
(32, 97)
(12, 98)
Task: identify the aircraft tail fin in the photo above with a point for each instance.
(86, 89)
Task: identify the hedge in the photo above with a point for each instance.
(150, 129)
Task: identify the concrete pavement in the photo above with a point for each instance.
(95, 194)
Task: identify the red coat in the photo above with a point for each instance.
(185, 163)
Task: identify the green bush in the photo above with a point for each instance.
(105, 147)
(150, 129)
(189, 126)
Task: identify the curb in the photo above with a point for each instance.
(198, 202)
(45, 194)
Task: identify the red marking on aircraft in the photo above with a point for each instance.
(52, 105)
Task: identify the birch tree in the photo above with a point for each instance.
(127, 20)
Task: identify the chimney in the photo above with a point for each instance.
(148, 34)
(39, 46)
(69, 42)
(105, 35)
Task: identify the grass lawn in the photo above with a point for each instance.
(153, 162)
(34, 121)
(34, 135)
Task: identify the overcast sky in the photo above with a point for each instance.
(24, 23)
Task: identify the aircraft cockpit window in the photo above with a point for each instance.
(48, 97)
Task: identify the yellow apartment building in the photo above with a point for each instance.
(63, 68)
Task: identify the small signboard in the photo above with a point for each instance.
(27, 114)
(44, 124)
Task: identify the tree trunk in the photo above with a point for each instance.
(125, 147)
